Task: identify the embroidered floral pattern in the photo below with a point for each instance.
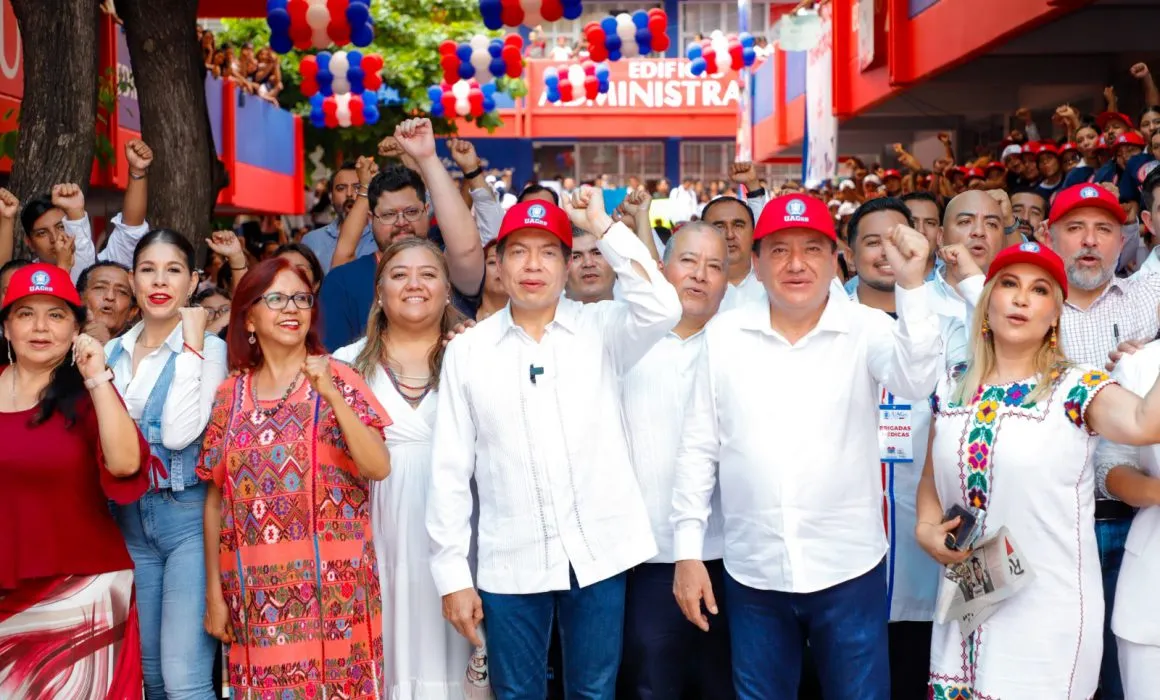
(1087, 387)
(981, 436)
(950, 691)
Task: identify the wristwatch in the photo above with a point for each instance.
(102, 378)
(473, 174)
(135, 176)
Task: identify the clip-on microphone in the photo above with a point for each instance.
(533, 372)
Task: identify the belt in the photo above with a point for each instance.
(1114, 510)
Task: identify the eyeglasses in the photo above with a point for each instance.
(410, 214)
(216, 313)
(277, 301)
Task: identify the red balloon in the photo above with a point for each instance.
(512, 15)
(308, 67)
(331, 121)
(657, 12)
(591, 87)
(297, 10)
(330, 107)
(450, 65)
(552, 10)
(475, 99)
(710, 62)
(337, 10)
(511, 56)
(373, 81)
(300, 31)
(356, 111)
(514, 40)
(372, 63)
(598, 52)
(339, 31)
(589, 68)
(660, 42)
(445, 86)
(657, 26)
(565, 91)
(309, 86)
(449, 104)
(302, 43)
(736, 56)
(446, 46)
(515, 68)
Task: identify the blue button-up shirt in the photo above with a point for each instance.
(324, 240)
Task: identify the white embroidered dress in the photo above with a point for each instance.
(1030, 467)
(424, 658)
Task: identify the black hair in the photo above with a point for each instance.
(1088, 122)
(923, 196)
(65, 388)
(535, 188)
(346, 165)
(393, 179)
(83, 280)
(1149, 108)
(207, 293)
(33, 209)
(871, 206)
(502, 244)
(173, 238)
(1028, 189)
(1148, 191)
(13, 265)
(311, 258)
(724, 199)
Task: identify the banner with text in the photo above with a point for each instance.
(821, 124)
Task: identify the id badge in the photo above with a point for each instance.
(895, 433)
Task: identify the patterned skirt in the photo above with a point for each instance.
(71, 637)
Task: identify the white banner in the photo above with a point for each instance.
(821, 125)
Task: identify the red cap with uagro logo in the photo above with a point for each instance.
(792, 211)
(1085, 195)
(1130, 138)
(891, 173)
(1033, 254)
(41, 278)
(539, 216)
(1105, 117)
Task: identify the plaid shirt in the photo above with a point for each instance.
(1127, 306)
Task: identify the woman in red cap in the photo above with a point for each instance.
(67, 625)
(1014, 434)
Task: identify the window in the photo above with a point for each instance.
(619, 161)
(710, 160)
(573, 31)
(705, 17)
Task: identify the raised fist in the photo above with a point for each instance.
(139, 156)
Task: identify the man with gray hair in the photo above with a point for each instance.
(1085, 228)
(665, 656)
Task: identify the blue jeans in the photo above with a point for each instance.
(665, 656)
(591, 621)
(1110, 537)
(163, 531)
(845, 626)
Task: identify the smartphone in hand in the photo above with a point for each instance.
(967, 533)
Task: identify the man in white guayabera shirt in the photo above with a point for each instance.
(665, 656)
(531, 409)
(783, 419)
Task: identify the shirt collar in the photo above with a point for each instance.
(1118, 283)
(944, 287)
(835, 317)
(567, 317)
(175, 341)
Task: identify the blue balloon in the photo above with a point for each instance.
(354, 58)
(697, 66)
(608, 24)
(435, 93)
(573, 11)
(318, 120)
(357, 14)
(493, 22)
(644, 41)
(602, 71)
(488, 104)
(463, 52)
(552, 81)
(356, 86)
(279, 20)
(693, 52)
(316, 101)
(371, 97)
(354, 73)
(281, 43)
(640, 19)
(323, 59)
(497, 68)
(495, 48)
(371, 114)
(602, 86)
(490, 7)
(324, 83)
(437, 110)
(466, 70)
(488, 89)
(362, 35)
(747, 39)
(275, 5)
(612, 43)
(748, 55)
(614, 55)
(553, 95)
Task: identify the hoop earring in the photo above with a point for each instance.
(253, 338)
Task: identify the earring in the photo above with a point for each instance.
(253, 338)
(986, 328)
(11, 360)
(1054, 337)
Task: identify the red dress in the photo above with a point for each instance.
(65, 575)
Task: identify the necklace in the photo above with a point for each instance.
(406, 390)
(270, 412)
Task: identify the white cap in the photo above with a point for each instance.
(1012, 150)
(872, 179)
(847, 209)
(847, 185)
(490, 179)
(834, 203)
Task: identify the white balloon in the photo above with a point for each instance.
(721, 47)
(339, 64)
(629, 48)
(343, 111)
(479, 41)
(317, 16)
(576, 76)
(315, 2)
(320, 39)
(340, 86)
(532, 16)
(462, 107)
(481, 59)
(716, 33)
(551, 71)
(460, 89)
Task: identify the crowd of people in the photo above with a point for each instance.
(257, 73)
(440, 447)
